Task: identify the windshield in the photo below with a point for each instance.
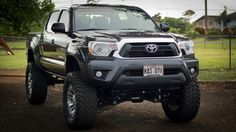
(105, 18)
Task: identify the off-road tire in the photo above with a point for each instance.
(85, 102)
(188, 103)
(37, 80)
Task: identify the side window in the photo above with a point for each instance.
(65, 19)
(53, 19)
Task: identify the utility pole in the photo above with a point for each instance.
(206, 27)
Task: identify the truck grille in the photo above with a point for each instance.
(140, 50)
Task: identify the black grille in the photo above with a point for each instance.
(139, 50)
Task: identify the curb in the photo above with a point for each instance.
(217, 81)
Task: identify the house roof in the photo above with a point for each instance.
(227, 17)
(202, 17)
(232, 15)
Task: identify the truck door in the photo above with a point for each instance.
(47, 47)
(61, 40)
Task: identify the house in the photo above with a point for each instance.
(228, 20)
(211, 22)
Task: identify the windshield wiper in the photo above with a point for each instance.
(91, 29)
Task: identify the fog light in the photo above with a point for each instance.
(98, 74)
(192, 70)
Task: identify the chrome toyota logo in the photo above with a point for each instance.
(151, 48)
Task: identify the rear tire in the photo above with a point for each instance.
(36, 84)
(187, 105)
(79, 102)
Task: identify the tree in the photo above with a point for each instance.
(92, 1)
(188, 14)
(180, 24)
(223, 16)
(224, 13)
(157, 17)
(20, 17)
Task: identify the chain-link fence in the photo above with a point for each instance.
(16, 59)
(216, 52)
(216, 55)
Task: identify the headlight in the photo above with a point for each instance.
(102, 48)
(187, 46)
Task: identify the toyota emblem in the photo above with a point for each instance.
(151, 48)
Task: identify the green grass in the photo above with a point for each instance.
(217, 75)
(215, 54)
(17, 44)
(17, 61)
(215, 43)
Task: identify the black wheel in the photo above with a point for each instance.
(79, 102)
(36, 84)
(183, 105)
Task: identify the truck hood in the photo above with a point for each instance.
(117, 35)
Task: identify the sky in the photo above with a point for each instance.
(167, 8)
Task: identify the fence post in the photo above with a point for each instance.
(230, 50)
(205, 41)
(222, 42)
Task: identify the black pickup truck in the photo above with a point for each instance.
(108, 54)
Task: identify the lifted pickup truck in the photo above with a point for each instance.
(105, 55)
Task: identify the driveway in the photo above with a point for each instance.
(217, 112)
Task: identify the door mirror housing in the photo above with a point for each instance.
(58, 28)
(164, 27)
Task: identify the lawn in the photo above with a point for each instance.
(213, 56)
(17, 61)
(17, 44)
(215, 53)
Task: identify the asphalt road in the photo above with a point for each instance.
(217, 112)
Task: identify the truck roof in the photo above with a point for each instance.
(99, 5)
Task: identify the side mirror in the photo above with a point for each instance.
(164, 27)
(58, 28)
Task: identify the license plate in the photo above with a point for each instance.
(153, 70)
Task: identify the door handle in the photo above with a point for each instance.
(41, 39)
(52, 42)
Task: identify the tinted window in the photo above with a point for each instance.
(113, 19)
(53, 19)
(65, 19)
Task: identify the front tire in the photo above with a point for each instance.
(79, 102)
(185, 107)
(36, 84)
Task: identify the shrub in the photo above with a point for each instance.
(227, 31)
(234, 31)
(200, 30)
(192, 34)
(174, 30)
(214, 32)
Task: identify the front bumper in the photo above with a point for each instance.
(128, 73)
